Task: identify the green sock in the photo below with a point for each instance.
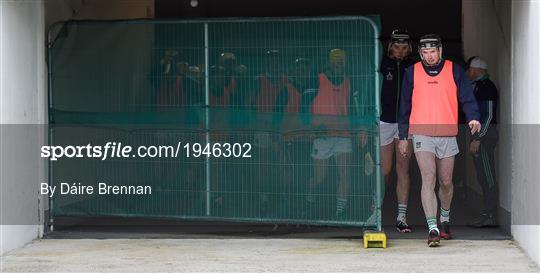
(341, 203)
(432, 223)
(445, 215)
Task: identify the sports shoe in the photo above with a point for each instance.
(485, 220)
(433, 239)
(403, 227)
(445, 231)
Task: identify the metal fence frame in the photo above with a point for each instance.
(56, 28)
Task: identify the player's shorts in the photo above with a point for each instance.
(442, 147)
(324, 148)
(388, 132)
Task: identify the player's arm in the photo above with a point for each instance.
(405, 103)
(280, 105)
(308, 94)
(253, 91)
(361, 112)
(487, 109)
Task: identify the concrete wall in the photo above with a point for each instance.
(22, 101)
(506, 33)
(526, 124)
(23, 107)
(487, 33)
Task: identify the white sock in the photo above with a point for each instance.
(341, 203)
(445, 215)
(402, 213)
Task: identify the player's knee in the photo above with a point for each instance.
(446, 181)
(428, 177)
(428, 186)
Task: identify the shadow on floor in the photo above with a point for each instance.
(135, 228)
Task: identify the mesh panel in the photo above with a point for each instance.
(299, 96)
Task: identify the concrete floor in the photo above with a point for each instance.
(264, 255)
(148, 245)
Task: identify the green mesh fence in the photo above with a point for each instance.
(298, 96)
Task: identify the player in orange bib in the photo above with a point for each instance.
(431, 90)
(330, 108)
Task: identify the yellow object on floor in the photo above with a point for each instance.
(374, 239)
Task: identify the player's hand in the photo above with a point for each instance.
(474, 147)
(475, 126)
(403, 147)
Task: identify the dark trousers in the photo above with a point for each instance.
(485, 173)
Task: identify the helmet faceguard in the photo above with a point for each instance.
(272, 61)
(337, 59)
(399, 37)
(228, 61)
(430, 41)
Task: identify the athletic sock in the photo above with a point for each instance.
(341, 203)
(445, 215)
(432, 223)
(402, 213)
